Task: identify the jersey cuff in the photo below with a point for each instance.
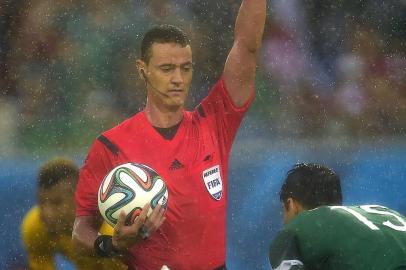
(83, 213)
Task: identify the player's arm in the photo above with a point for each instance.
(40, 252)
(39, 261)
(239, 70)
(39, 258)
(284, 252)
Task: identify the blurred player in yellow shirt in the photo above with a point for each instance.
(47, 228)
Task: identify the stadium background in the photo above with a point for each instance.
(331, 88)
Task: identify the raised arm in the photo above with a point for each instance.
(240, 67)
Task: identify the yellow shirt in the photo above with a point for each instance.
(42, 247)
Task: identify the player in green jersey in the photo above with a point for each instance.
(321, 234)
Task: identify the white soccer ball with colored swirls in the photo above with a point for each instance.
(128, 187)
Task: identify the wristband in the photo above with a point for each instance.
(103, 245)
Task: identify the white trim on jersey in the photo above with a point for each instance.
(286, 265)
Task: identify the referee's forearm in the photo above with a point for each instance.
(250, 22)
(84, 235)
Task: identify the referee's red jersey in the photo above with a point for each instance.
(194, 165)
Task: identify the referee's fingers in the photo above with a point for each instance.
(143, 215)
(120, 221)
(161, 221)
(155, 212)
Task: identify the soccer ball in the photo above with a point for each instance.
(129, 187)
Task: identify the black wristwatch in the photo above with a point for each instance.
(103, 245)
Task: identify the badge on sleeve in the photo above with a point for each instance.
(212, 181)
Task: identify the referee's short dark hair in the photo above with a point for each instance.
(312, 185)
(162, 34)
(57, 170)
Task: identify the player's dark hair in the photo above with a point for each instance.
(312, 185)
(57, 170)
(162, 34)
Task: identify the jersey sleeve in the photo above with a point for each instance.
(284, 252)
(222, 113)
(36, 242)
(96, 166)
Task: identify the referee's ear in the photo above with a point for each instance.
(141, 65)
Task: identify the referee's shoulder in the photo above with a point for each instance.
(124, 126)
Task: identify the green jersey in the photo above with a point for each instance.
(363, 237)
